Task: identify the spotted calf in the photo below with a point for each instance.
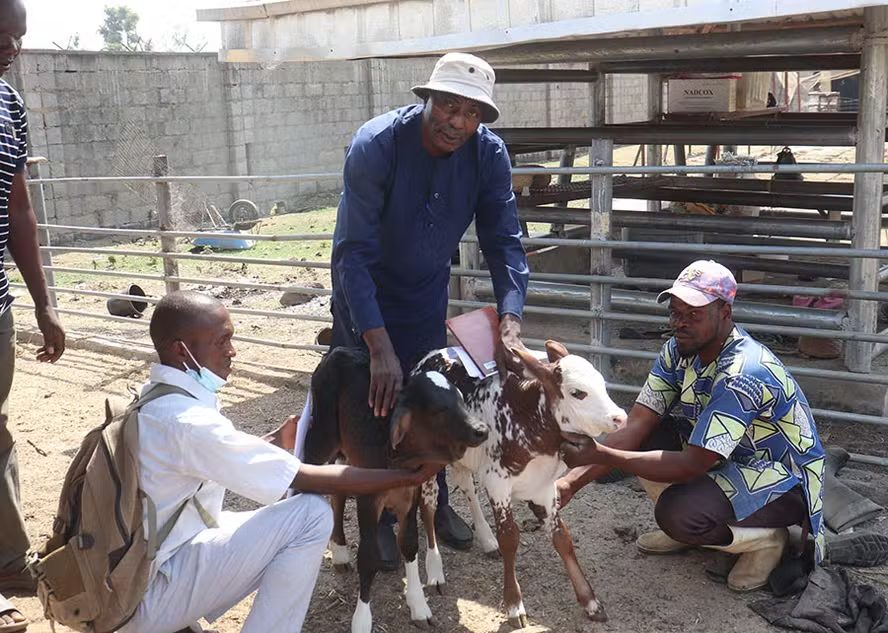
(429, 425)
(526, 415)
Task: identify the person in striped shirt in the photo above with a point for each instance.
(18, 234)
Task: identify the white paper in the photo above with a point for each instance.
(467, 362)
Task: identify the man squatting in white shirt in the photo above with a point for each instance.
(190, 453)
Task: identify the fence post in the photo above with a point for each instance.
(470, 259)
(601, 153)
(654, 110)
(867, 217)
(165, 222)
(38, 202)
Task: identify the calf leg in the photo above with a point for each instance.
(507, 535)
(563, 543)
(368, 561)
(434, 564)
(462, 479)
(338, 544)
(408, 541)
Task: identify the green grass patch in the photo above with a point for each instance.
(316, 221)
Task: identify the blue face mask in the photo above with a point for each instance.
(203, 376)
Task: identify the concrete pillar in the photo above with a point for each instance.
(601, 153)
(165, 222)
(867, 206)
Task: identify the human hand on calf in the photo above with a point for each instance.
(285, 435)
(386, 377)
(424, 473)
(579, 450)
(510, 338)
(565, 491)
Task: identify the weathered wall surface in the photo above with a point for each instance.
(108, 114)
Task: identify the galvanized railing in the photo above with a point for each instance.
(172, 279)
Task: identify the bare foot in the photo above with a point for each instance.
(11, 617)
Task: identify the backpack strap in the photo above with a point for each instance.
(157, 536)
(158, 390)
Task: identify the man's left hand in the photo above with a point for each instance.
(53, 335)
(579, 450)
(285, 435)
(510, 338)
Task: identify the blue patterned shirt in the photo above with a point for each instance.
(746, 407)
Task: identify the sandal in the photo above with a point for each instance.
(8, 610)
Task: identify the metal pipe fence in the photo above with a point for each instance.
(537, 306)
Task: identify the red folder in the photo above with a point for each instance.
(477, 332)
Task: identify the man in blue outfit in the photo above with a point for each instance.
(729, 449)
(415, 178)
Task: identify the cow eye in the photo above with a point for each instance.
(579, 395)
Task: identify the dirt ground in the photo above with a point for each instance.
(53, 406)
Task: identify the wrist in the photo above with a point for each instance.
(584, 475)
(378, 342)
(510, 324)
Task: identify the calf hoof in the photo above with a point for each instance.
(595, 611)
(517, 615)
(439, 587)
(341, 557)
(518, 621)
(493, 554)
(424, 624)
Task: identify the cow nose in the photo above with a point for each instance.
(619, 420)
(479, 435)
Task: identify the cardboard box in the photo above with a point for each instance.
(702, 95)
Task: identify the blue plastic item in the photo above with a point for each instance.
(224, 243)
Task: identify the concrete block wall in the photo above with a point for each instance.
(109, 113)
(627, 98)
(104, 114)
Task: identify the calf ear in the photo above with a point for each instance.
(555, 351)
(530, 363)
(400, 427)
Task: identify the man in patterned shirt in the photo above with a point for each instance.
(18, 234)
(721, 437)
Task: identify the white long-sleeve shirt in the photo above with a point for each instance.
(187, 448)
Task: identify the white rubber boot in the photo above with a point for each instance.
(760, 552)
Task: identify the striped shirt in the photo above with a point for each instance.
(13, 156)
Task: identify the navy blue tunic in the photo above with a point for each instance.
(400, 219)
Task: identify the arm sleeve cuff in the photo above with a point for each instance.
(512, 303)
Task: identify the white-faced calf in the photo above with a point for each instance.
(429, 425)
(526, 415)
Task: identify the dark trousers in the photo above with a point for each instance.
(411, 344)
(699, 513)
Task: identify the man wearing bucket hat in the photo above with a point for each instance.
(18, 234)
(721, 437)
(414, 179)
